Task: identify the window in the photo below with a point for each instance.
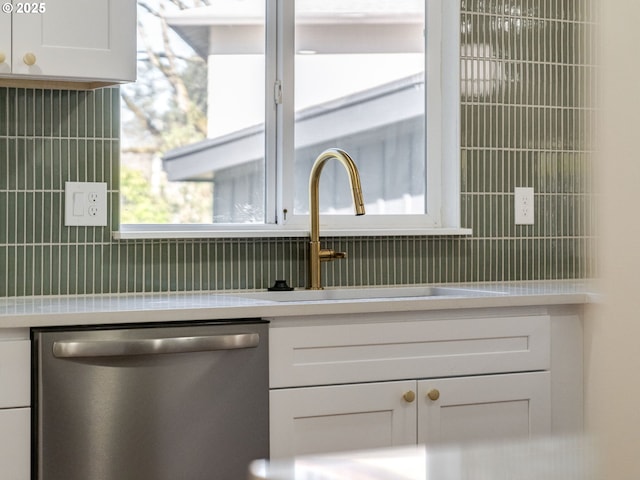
(284, 81)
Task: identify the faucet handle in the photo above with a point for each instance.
(328, 254)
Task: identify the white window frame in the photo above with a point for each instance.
(442, 96)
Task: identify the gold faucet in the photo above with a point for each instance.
(317, 254)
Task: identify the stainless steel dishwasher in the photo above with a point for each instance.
(151, 402)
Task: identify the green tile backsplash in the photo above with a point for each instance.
(529, 123)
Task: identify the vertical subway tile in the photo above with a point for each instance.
(4, 219)
(191, 278)
(21, 113)
(4, 111)
(28, 216)
(11, 161)
(145, 264)
(111, 275)
(125, 265)
(115, 113)
(66, 114)
(45, 280)
(73, 114)
(171, 262)
(12, 217)
(99, 120)
(6, 280)
(4, 162)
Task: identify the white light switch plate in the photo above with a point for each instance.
(85, 204)
(524, 212)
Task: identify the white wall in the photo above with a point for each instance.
(612, 355)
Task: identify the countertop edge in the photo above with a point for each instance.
(27, 312)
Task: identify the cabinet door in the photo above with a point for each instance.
(15, 443)
(5, 43)
(92, 39)
(315, 420)
(484, 408)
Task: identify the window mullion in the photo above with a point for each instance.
(271, 113)
(450, 150)
(285, 109)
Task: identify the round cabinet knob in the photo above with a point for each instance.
(29, 59)
(433, 394)
(3, 57)
(409, 397)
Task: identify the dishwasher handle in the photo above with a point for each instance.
(154, 346)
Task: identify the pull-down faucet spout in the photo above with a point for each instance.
(317, 254)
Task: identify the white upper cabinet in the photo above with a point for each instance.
(70, 40)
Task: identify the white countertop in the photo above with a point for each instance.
(16, 312)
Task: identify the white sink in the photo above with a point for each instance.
(333, 294)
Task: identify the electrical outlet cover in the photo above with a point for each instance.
(523, 206)
(85, 204)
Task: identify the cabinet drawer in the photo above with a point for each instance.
(346, 353)
(15, 373)
(15, 443)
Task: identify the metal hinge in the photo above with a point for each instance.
(277, 92)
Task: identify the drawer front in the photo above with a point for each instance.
(15, 373)
(15, 443)
(334, 354)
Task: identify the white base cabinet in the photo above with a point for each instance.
(15, 401)
(15, 443)
(315, 420)
(422, 378)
